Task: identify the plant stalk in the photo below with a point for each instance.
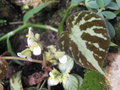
(24, 26)
(21, 59)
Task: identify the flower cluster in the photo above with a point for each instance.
(65, 64)
(34, 47)
(56, 57)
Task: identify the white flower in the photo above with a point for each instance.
(37, 50)
(32, 44)
(51, 80)
(63, 59)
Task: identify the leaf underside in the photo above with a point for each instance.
(86, 40)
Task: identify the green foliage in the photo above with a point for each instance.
(76, 38)
(15, 81)
(91, 4)
(59, 54)
(109, 14)
(93, 81)
(118, 3)
(107, 2)
(33, 11)
(9, 47)
(110, 29)
(24, 26)
(117, 12)
(100, 3)
(2, 21)
(72, 5)
(101, 6)
(61, 25)
(10, 50)
(26, 52)
(113, 6)
(72, 83)
(109, 26)
(80, 80)
(113, 44)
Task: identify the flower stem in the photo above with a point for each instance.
(21, 59)
(61, 25)
(42, 84)
(24, 26)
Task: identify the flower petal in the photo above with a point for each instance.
(63, 59)
(30, 33)
(20, 55)
(37, 50)
(51, 74)
(52, 81)
(30, 42)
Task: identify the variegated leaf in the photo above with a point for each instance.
(15, 81)
(86, 40)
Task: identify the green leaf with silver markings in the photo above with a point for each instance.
(86, 40)
(15, 81)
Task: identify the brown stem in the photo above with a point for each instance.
(21, 59)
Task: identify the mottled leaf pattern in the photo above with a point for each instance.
(86, 40)
(15, 81)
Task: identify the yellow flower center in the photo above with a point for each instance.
(27, 35)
